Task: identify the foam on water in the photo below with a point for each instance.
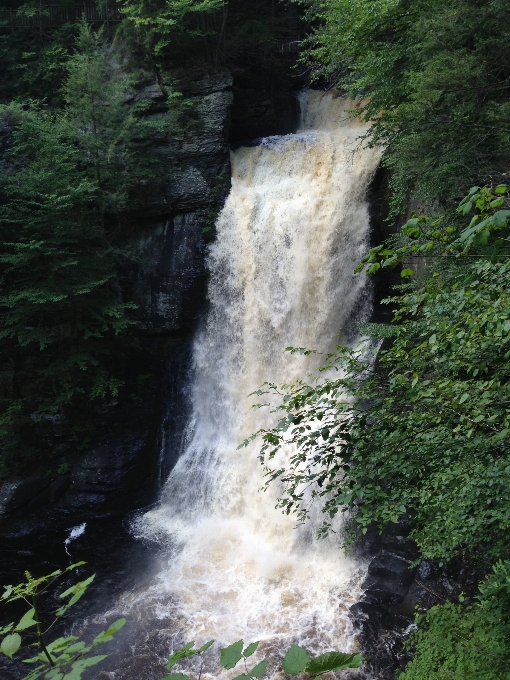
(292, 230)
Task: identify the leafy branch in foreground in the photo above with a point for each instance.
(487, 234)
(297, 660)
(64, 657)
(73, 178)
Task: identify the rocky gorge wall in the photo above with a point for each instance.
(139, 439)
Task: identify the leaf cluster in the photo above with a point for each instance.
(486, 235)
(64, 657)
(470, 641)
(73, 177)
(296, 660)
(158, 23)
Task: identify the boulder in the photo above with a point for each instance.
(23, 494)
(389, 577)
(109, 474)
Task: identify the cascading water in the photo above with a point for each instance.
(292, 230)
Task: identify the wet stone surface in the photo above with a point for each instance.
(398, 583)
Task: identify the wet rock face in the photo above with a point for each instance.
(22, 494)
(383, 611)
(396, 583)
(112, 477)
(194, 176)
(169, 284)
(389, 578)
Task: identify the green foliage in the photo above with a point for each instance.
(231, 33)
(230, 656)
(296, 660)
(471, 641)
(158, 23)
(433, 80)
(62, 658)
(427, 433)
(186, 652)
(73, 176)
(34, 65)
(485, 236)
(332, 661)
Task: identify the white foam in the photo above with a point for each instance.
(292, 230)
(74, 534)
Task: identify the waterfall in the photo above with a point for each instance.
(290, 234)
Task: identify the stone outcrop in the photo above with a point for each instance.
(397, 582)
(169, 284)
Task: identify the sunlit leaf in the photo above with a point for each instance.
(183, 653)
(251, 649)
(333, 661)
(10, 644)
(27, 621)
(259, 669)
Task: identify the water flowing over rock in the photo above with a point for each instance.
(291, 232)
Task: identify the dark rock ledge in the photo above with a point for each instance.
(394, 589)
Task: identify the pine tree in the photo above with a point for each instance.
(63, 319)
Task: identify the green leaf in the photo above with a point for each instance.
(259, 669)
(27, 621)
(391, 262)
(61, 643)
(467, 208)
(500, 436)
(107, 635)
(8, 590)
(482, 238)
(500, 219)
(230, 656)
(176, 676)
(405, 273)
(243, 676)
(295, 660)
(10, 644)
(182, 653)
(501, 189)
(79, 666)
(77, 591)
(333, 661)
(251, 649)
